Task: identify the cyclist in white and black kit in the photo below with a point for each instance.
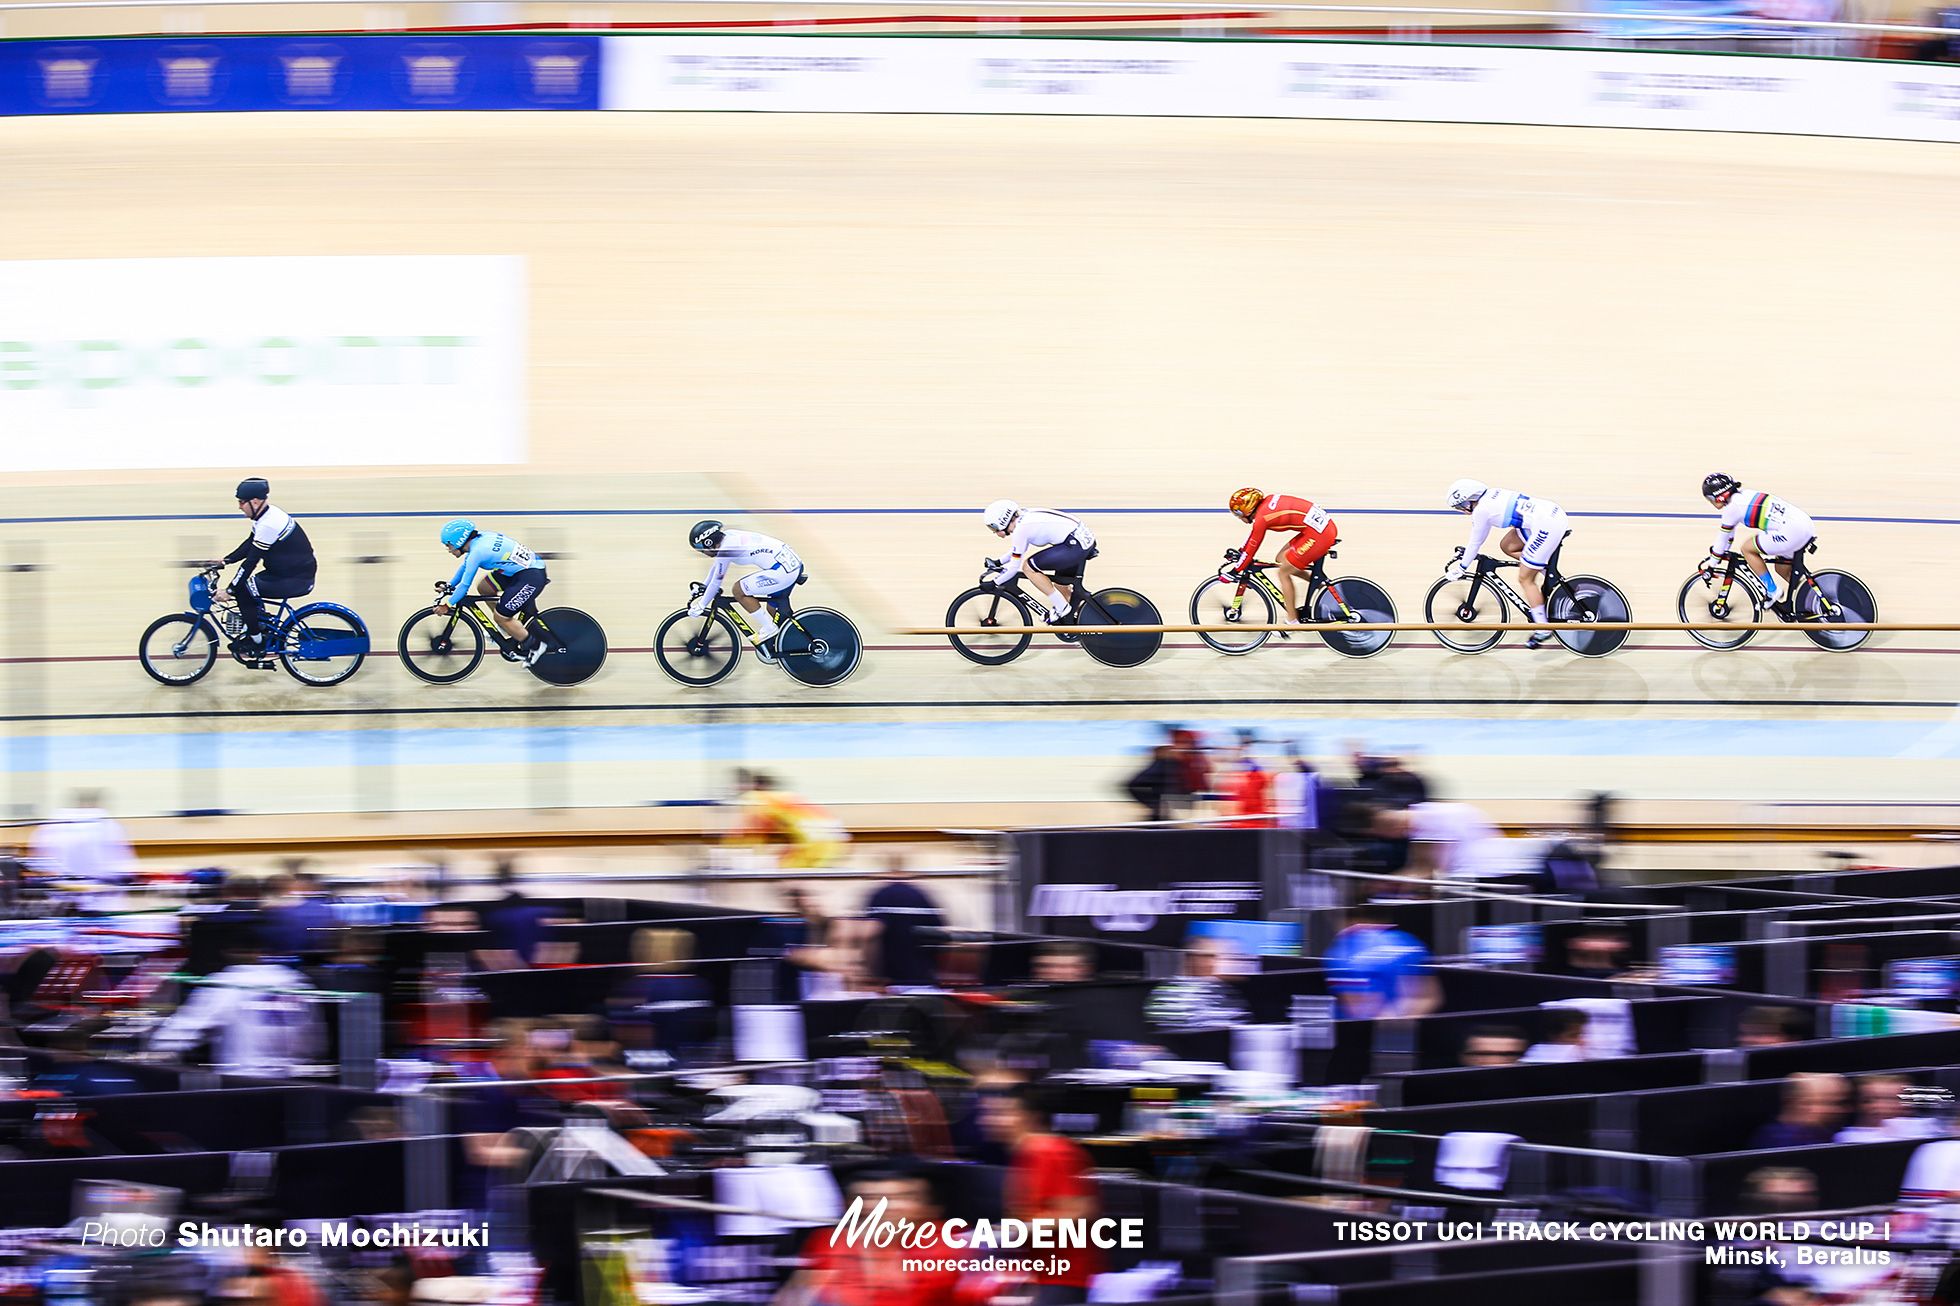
(1533, 530)
(275, 561)
(1040, 540)
(777, 569)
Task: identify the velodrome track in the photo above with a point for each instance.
(859, 329)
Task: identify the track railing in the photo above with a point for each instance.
(1515, 627)
(1737, 24)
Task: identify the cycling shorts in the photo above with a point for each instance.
(1542, 534)
(1310, 546)
(519, 592)
(1786, 543)
(1063, 562)
(772, 580)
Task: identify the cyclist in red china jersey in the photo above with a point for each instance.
(1313, 534)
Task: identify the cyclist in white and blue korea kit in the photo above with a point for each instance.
(278, 552)
(1041, 541)
(777, 568)
(1781, 530)
(512, 574)
(1532, 531)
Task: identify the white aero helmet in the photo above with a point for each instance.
(1000, 514)
(1464, 493)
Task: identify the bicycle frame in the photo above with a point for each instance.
(1258, 573)
(1735, 570)
(222, 608)
(776, 603)
(1486, 573)
(471, 603)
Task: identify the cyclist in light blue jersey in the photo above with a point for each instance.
(512, 574)
(1533, 530)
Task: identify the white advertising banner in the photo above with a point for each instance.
(261, 362)
(1286, 79)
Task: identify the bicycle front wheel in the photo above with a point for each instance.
(1579, 601)
(1470, 601)
(1722, 602)
(998, 612)
(322, 645)
(575, 646)
(1117, 607)
(178, 649)
(697, 650)
(819, 646)
(1221, 602)
(1353, 598)
(440, 648)
(1834, 596)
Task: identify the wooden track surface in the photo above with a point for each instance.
(780, 313)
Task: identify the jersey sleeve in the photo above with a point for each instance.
(459, 584)
(1258, 536)
(1725, 525)
(1481, 517)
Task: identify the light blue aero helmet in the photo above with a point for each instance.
(457, 533)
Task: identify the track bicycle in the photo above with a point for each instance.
(818, 646)
(443, 647)
(1814, 601)
(318, 644)
(1244, 591)
(1008, 613)
(1571, 603)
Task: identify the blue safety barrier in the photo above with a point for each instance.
(256, 73)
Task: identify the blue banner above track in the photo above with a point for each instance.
(257, 73)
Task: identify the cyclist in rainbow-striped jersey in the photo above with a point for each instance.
(1781, 530)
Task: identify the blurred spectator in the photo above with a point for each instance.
(1884, 1112)
(264, 1024)
(1778, 1190)
(84, 847)
(902, 909)
(515, 925)
(1597, 952)
(1199, 998)
(298, 917)
(1387, 782)
(1194, 764)
(1248, 786)
(1160, 783)
(666, 1009)
(1375, 970)
(1569, 865)
(1565, 1038)
(810, 837)
(212, 936)
(1492, 1045)
(1813, 1107)
(833, 1273)
(1048, 1178)
(1063, 963)
(490, 1111)
(1446, 840)
(1296, 793)
(1766, 1027)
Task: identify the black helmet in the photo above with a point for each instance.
(705, 535)
(1718, 483)
(253, 487)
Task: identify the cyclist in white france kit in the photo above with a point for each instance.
(1532, 531)
(777, 569)
(1041, 541)
(1782, 530)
